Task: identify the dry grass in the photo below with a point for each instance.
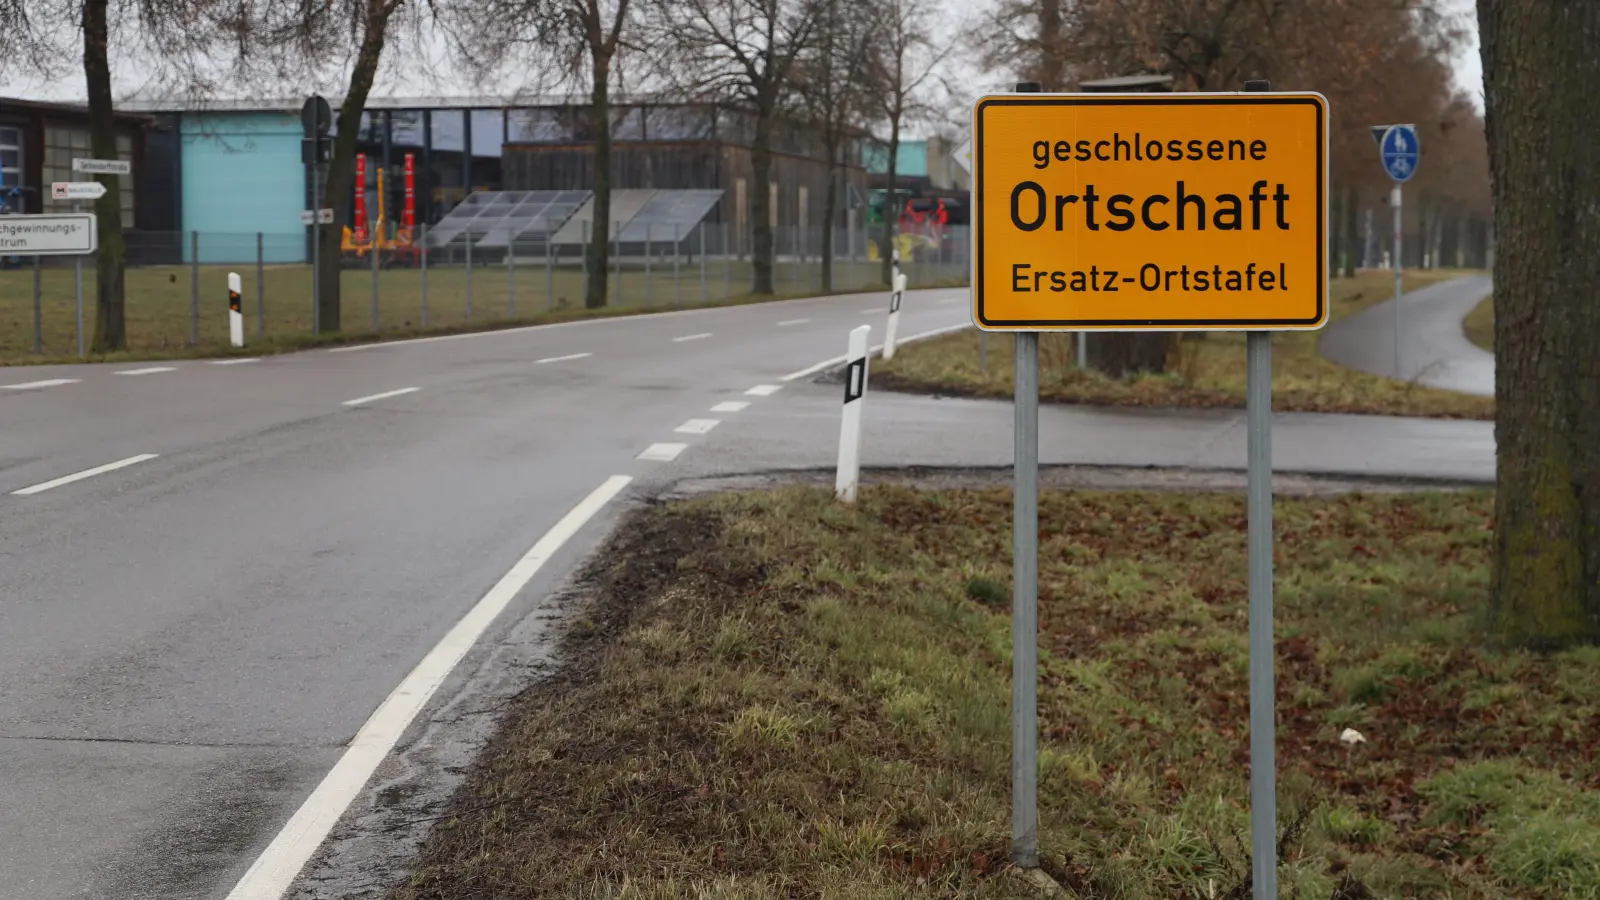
(1479, 324)
(779, 696)
(1207, 371)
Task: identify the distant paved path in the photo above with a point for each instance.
(1433, 349)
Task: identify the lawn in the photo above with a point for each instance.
(161, 320)
(1479, 324)
(1207, 371)
(776, 695)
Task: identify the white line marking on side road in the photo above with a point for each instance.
(874, 312)
(730, 406)
(235, 362)
(691, 337)
(86, 473)
(764, 390)
(30, 385)
(949, 300)
(662, 452)
(383, 396)
(875, 348)
(697, 426)
(275, 869)
(551, 359)
(789, 322)
(150, 371)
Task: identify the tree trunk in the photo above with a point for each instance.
(1050, 58)
(1352, 230)
(760, 203)
(109, 321)
(1539, 69)
(891, 203)
(600, 234)
(341, 168)
(830, 208)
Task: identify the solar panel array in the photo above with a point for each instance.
(668, 214)
(495, 219)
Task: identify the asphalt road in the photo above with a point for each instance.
(190, 642)
(1433, 349)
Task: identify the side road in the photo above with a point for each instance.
(1433, 349)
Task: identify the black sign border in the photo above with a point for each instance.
(1152, 324)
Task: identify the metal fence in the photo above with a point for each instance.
(175, 284)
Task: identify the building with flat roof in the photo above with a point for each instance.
(38, 142)
(237, 169)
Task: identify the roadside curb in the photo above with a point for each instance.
(1074, 477)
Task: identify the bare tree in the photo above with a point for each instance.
(908, 58)
(740, 52)
(171, 36)
(835, 73)
(292, 36)
(559, 42)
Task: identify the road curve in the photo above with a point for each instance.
(1433, 349)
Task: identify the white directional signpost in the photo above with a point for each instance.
(77, 190)
(1148, 212)
(1400, 150)
(102, 166)
(56, 234)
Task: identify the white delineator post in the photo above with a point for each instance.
(855, 390)
(235, 314)
(894, 315)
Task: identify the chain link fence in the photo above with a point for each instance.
(175, 284)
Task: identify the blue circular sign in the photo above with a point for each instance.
(1400, 152)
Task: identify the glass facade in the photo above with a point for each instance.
(61, 146)
(10, 157)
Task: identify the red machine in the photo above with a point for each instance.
(360, 236)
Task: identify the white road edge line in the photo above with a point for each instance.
(234, 362)
(86, 473)
(276, 868)
(551, 359)
(764, 390)
(786, 324)
(383, 396)
(875, 348)
(150, 371)
(697, 426)
(51, 382)
(662, 452)
(730, 406)
(691, 337)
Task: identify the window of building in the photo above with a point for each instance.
(679, 123)
(10, 157)
(540, 126)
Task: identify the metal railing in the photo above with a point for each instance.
(175, 284)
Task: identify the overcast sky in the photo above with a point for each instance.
(129, 76)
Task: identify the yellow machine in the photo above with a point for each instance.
(377, 234)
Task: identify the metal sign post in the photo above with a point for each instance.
(1400, 151)
(1087, 235)
(316, 119)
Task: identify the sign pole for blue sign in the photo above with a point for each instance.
(1399, 149)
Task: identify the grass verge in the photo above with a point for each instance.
(1479, 324)
(775, 695)
(1207, 371)
(161, 322)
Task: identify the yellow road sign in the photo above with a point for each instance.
(1166, 212)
